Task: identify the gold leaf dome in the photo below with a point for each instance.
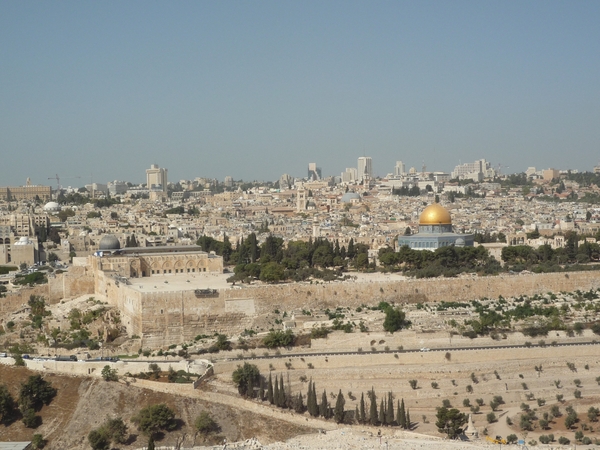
(435, 214)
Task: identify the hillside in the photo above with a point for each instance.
(82, 404)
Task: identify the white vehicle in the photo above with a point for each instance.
(424, 349)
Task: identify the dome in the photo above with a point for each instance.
(435, 214)
(51, 206)
(109, 242)
(349, 196)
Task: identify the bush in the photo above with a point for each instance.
(563, 440)
(205, 424)
(279, 338)
(413, 383)
(38, 442)
(109, 374)
(491, 417)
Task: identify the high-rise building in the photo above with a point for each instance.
(228, 182)
(399, 169)
(156, 178)
(350, 175)
(365, 168)
(473, 171)
(314, 172)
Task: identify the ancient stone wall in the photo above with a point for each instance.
(174, 317)
(353, 294)
(78, 281)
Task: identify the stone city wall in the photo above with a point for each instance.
(353, 294)
(78, 281)
(167, 318)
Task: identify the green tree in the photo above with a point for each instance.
(38, 441)
(363, 412)
(205, 424)
(271, 272)
(155, 418)
(339, 408)
(324, 406)
(373, 418)
(450, 421)
(109, 374)
(116, 430)
(98, 439)
(401, 415)
(394, 319)
(243, 375)
(270, 395)
(279, 338)
(7, 405)
(35, 392)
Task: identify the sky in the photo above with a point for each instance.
(256, 89)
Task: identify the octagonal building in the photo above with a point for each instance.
(435, 231)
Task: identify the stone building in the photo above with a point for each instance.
(137, 262)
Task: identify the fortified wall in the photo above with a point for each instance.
(165, 318)
(173, 317)
(77, 281)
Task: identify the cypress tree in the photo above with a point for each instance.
(351, 252)
(261, 389)
(289, 397)
(314, 406)
(339, 408)
(299, 406)
(373, 408)
(281, 393)
(382, 412)
(250, 388)
(390, 410)
(407, 419)
(270, 394)
(276, 393)
(398, 414)
(402, 415)
(357, 415)
(363, 412)
(309, 398)
(324, 407)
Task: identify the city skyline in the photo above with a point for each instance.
(253, 91)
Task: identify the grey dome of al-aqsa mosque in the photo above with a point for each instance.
(109, 242)
(349, 196)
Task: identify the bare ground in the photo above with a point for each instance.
(82, 404)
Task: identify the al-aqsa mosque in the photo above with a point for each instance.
(435, 231)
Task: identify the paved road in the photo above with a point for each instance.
(441, 349)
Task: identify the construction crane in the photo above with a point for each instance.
(57, 178)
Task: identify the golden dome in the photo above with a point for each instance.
(435, 214)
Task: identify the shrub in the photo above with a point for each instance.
(109, 374)
(491, 417)
(205, 424)
(413, 383)
(434, 385)
(563, 440)
(577, 393)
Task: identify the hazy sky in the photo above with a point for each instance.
(255, 89)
